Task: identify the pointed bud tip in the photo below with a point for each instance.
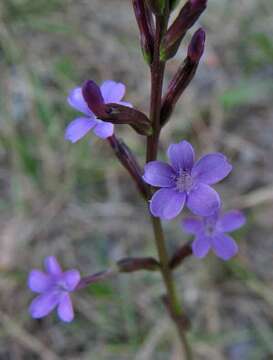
(197, 45)
(92, 95)
(198, 3)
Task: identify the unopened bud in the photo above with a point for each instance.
(136, 264)
(146, 28)
(93, 96)
(197, 45)
(183, 76)
(129, 161)
(187, 17)
(120, 114)
(114, 113)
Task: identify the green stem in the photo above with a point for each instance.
(157, 75)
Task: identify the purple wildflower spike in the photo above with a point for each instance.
(210, 233)
(109, 92)
(53, 287)
(184, 182)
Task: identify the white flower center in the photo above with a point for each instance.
(183, 181)
(61, 285)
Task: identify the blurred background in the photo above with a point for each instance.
(76, 202)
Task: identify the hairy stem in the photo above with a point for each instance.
(157, 74)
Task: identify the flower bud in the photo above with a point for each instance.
(146, 28)
(184, 75)
(178, 84)
(136, 264)
(156, 6)
(129, 161)
(197, 45)
(119, 114)
(187, 17)
(112, 112)
(93, 96)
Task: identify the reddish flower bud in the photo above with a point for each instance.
(128, 160)
(114, 113)
(146, 28)
(178, 84)
(136, 264)
(93, 96)
(197, 45)
(120, 114)
(187, 17)
(184, 75)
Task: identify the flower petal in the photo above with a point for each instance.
(158, 173)
(43, 304)
(224, 246)
(38, 281)
(181, 155)
(76, 100)
(103, 129)
(192, 225)
(203, 200)
(211, 168)
(71, 279)
(112, 91)
(201, 246)
(52, 266)
(78, 128)
(167, 203)
(231, 220)
(65, 309)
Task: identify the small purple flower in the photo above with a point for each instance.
(110, 92)
(185, 182)
(54, 287)
(210, 232)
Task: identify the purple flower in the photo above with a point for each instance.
(54, 287)
(210, 232)
(109, 92)
(184, 182)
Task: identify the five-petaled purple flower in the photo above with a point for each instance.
(210, 232)
(54, 287)
(111, 92)
(184, 182)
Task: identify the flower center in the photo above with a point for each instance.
(183, 181)
(210, 226)
(61, 285)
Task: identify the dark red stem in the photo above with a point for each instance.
(127, 159)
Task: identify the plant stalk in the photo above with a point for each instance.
(157, 75)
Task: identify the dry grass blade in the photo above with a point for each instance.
(152, 340)
(26, 339)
